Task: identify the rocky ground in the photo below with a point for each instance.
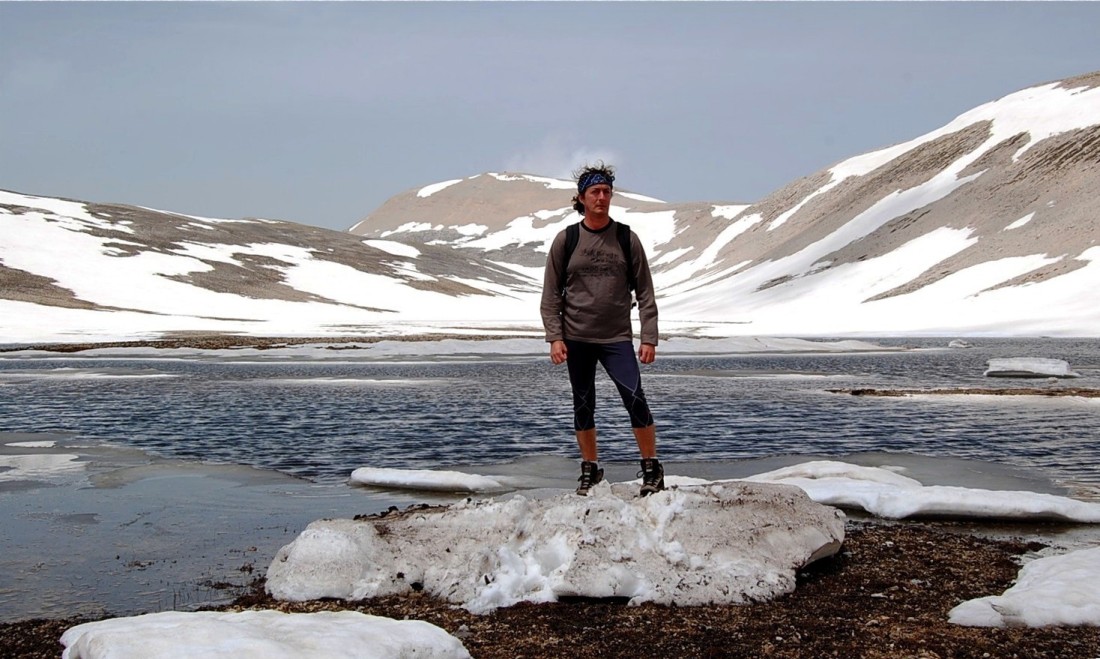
(886, 594)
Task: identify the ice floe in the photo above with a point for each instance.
(1029, 367)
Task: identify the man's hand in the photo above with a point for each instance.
(647, 353)
(558, 353)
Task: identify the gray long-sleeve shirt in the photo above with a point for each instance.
(597, 300)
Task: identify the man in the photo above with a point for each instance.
(586, 302)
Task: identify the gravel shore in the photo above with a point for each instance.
(886, 594)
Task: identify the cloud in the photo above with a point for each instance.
(557, 156)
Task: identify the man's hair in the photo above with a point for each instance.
(607, 171)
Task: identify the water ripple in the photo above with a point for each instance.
(293, 418)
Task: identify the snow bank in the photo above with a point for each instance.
(427, 480)
(1029, 367)
(1056, 590)
(886, 493)
(719, 543)
(258, 634)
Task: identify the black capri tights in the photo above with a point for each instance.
(621, 366)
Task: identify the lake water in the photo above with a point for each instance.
(171, 475)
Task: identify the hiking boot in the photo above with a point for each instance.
(652, 475)
(590, 475)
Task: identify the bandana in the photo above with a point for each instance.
(593, 178)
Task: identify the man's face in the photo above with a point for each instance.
(597, 199)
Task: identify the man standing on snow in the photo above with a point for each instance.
(586, 302)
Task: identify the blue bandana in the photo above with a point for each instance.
(592, 178)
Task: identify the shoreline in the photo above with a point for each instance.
(1077, 392)
(887, 592)
(231, 342)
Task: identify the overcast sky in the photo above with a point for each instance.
(318, 113)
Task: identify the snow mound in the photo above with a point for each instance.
(1029, 367)
(732, 542)
(1056, 590)
(258, 634)
(885, 493)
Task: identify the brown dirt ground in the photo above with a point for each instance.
(886, 594)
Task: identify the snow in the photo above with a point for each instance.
(970, 301)
(428, 480)
(526, 548)
(714, 543)
(638, 197)
(1064, 110)
(1029, 367)
(729, 211)
(429, 190)
(388, 350)
(886, 493)
(392, 247)
(1054, 590)
(57, 208)
(550, 183)
(259, 635)
(1020, 222)
(882, 491)
(471, 229)
(413, 227)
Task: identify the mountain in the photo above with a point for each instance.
(987, 225)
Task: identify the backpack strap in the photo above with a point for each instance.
(622, 232)
(572, 237)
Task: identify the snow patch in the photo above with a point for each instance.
(1020, 222)
(1054, 590)
(258, 635)
(885, 493)
(429, 190)
(638, 197)
(395, 248)
(729, 211)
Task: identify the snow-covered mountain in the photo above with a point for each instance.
(987, 225)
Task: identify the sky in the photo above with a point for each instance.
(319, 112)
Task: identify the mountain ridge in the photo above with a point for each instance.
(984, 225)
